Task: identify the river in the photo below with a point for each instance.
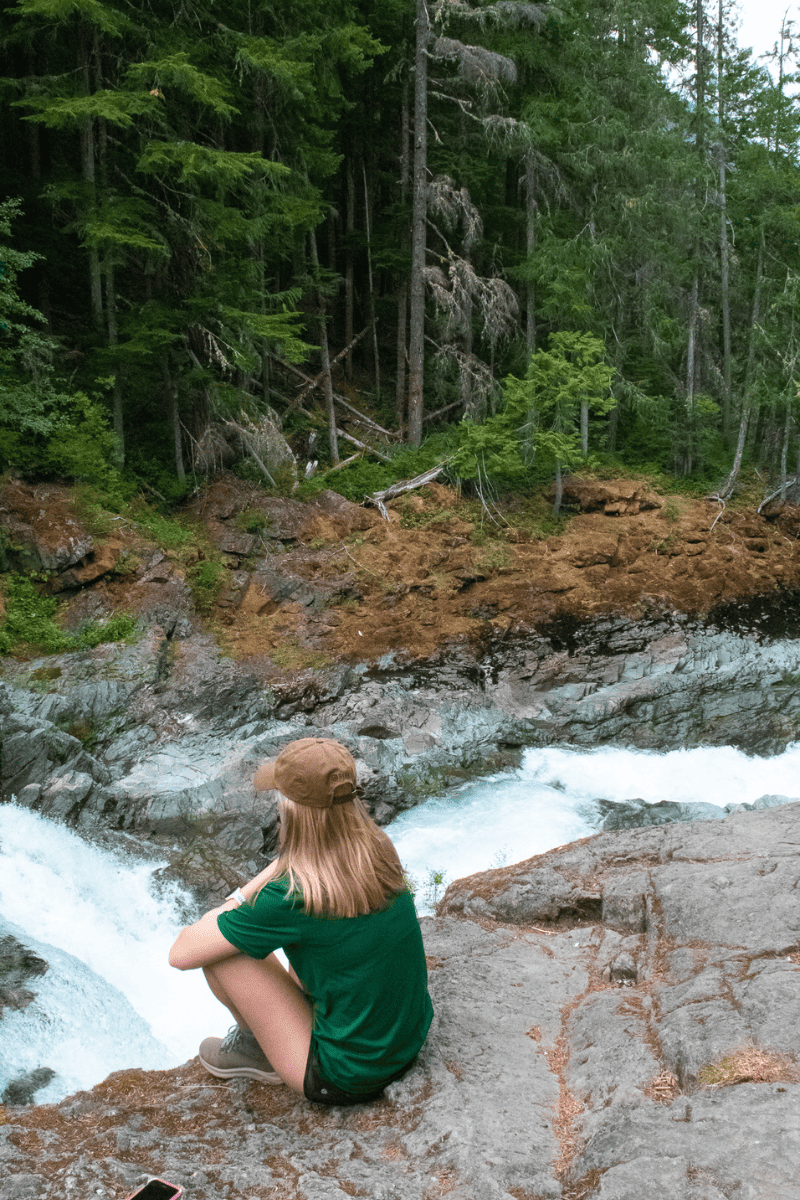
(110, 1000)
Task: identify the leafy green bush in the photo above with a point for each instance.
(541, 414)
(84, 448)
(119, 628)
(206, 579)
(29, 618)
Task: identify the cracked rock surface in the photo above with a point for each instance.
(680, 1056)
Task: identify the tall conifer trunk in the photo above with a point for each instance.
(348, 270)
(327, 383)
(416, 341)
(748, 405)
(723, 238)
(372, 315)
(530, 240)
(88, 172)
(402, 292)
(173, 409)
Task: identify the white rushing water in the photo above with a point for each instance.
(513, 815)
(110, 1000)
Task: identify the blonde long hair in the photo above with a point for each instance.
(338, 858)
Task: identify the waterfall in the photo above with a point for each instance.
(508, 817)
(110, 1000)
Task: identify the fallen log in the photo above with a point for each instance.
(403, 485)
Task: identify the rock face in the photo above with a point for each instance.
(691, 939)
(614, 1020)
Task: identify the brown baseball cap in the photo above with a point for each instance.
(315, 772)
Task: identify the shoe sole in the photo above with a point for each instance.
(241, 1073)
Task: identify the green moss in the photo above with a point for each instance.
(494, 558)
(29, 621)
(46, 674)
(250, 520)
(168, 532)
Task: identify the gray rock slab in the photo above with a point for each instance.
(498, 1000)
(744, 1141)
(713, 974)
(649, 1176)
(746, 902)
(21, 1187)
(609, 1049)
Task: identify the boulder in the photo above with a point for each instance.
(690, 1077)
(42, 527)
(18, 966)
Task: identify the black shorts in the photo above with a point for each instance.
(320, 1090)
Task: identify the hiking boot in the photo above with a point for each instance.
(237, 1056)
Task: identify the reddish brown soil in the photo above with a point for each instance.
(440, 570)
(429, 584)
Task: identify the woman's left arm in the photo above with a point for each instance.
(202, 944)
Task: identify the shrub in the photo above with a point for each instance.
(206, 579)
(29, 620)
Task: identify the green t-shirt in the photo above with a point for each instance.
(365, 976)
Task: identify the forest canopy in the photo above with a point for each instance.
(523, 236)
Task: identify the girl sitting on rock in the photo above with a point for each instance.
(353, 1011)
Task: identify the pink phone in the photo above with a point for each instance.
(156, 1189)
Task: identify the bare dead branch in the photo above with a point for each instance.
(348, 437)
(482, 69)
(403, 485)
(720, 500)
(363, 417)
(786, 484)
(339, 432)
(440, 411)
(454, 205)
(246, 438)
(345, 462)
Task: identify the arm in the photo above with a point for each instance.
(202, 944)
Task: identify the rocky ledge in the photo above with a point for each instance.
(615, 1019)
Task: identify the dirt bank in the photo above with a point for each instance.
(305, 584)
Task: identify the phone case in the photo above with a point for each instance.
(156, 1189)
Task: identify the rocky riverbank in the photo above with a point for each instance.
(613, 1019)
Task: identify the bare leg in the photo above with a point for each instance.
(262, 997)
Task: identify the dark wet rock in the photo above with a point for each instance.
(18, 967)
(635, 814)
(22, 1090)
(163, 734)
